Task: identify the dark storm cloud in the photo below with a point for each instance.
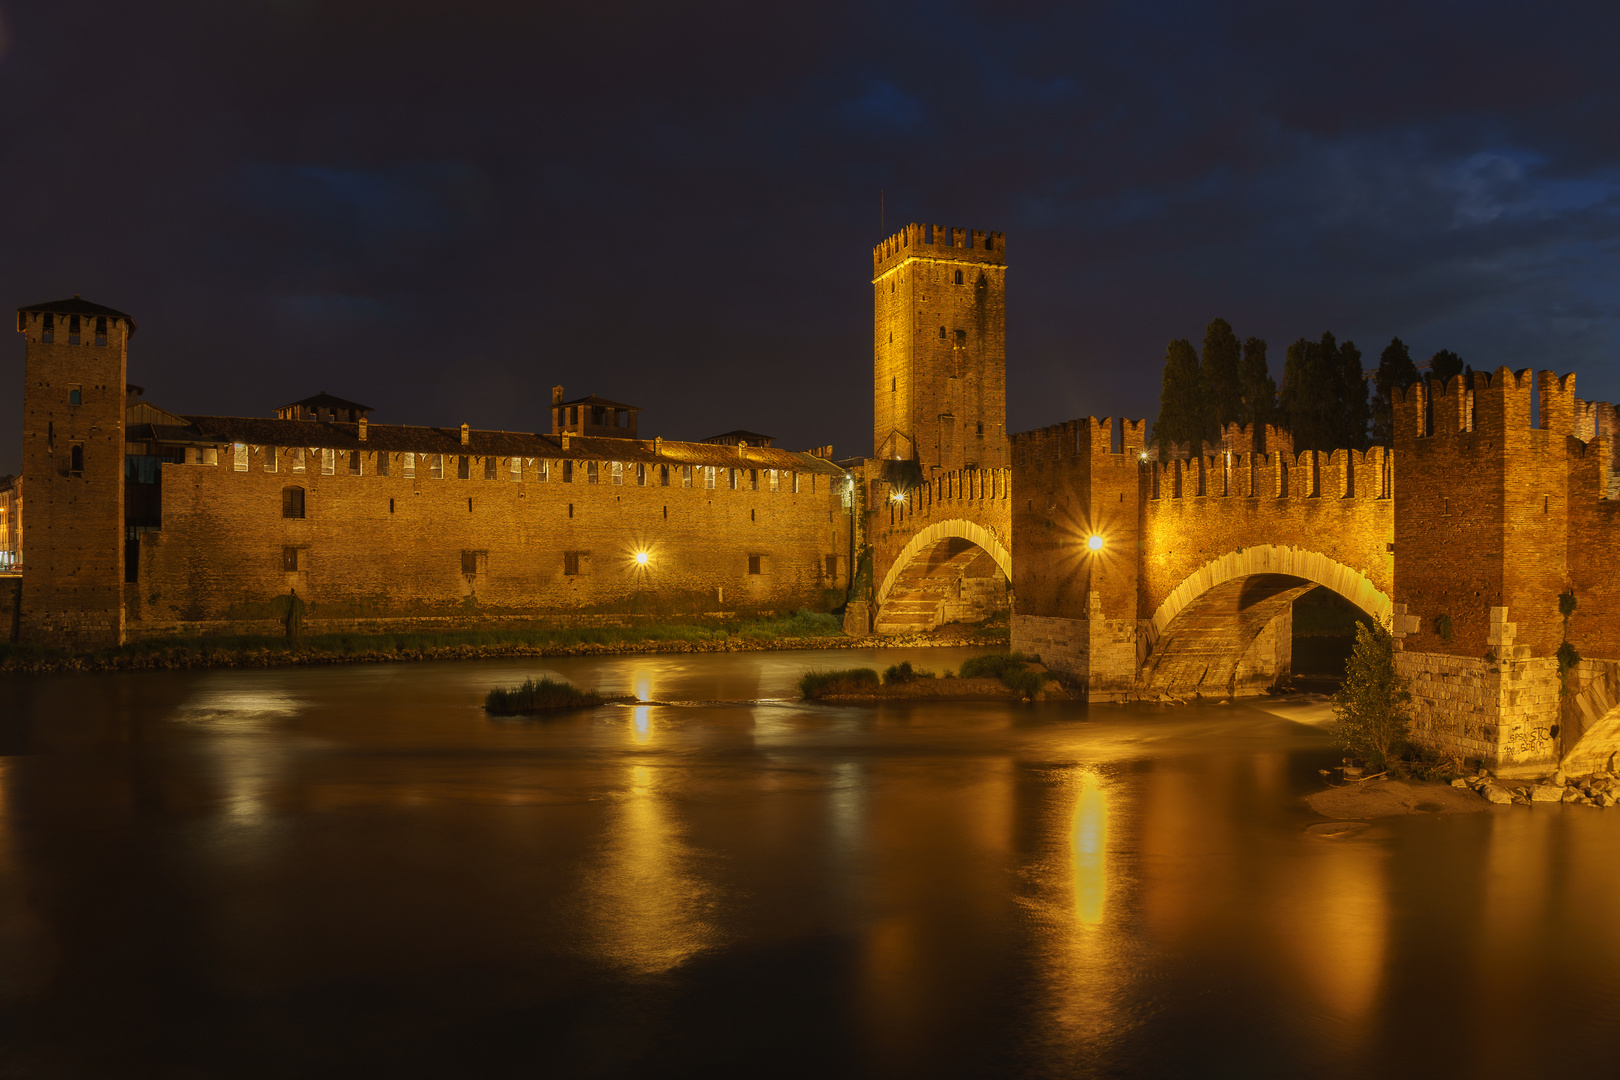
(444, 209)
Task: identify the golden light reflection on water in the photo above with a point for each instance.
(1089, 841)
(641, 721)
(1333, 922)
(650, 907)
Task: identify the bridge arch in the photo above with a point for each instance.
(1206, 636)
(926, 538)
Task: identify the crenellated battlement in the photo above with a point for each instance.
(1281, 474)
(938, 242)
(1108, 435)
(1491, 403)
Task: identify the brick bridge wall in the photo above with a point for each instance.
(1198, 559)
(971, 504)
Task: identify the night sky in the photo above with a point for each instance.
(443, 209)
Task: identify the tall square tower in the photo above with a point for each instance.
(73, 469)
(939, 361)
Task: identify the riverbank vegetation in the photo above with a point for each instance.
(802, 629)
(1012, 668)
(1370, 710)
(820, 684)
(536, 697)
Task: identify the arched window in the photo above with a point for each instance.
(959, 277)
(292, 502)
(75, 398)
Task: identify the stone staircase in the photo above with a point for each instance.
(917, 601)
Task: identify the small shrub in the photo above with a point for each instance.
(533, 697)
(1370, 709)
(819, 684)
(1442, 626)
(903, 673)
(1567, 658)
(994, 665)
(1025, 683)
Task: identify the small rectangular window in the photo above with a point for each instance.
(663, 476)
(210, 455)
(382, 464)
(354, 463)
(272, 459)
(289, 559)
(795, 483)
(328, 462)
(292, 502)
(408, 463)
(101, 329)
(618, 473)
(514, 468)
(686, 476)
(543, 467)
(732, 477)
(469, 563)
(641, 474)
(298, 459)
(568, 472)
(463, 465)
(753, 564)
(239, 456)
(571, 563)
(772, 482)
(708, 477)
(436, 467)
(592, 471)
(753, 479)
(832, 567)
(491, 464)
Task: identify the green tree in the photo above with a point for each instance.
(1444, 365)
(1309, 393)
(1353, 411)
(1259, 389)
(1395, 372)
(1220, 376)
(1370, 711)
(1180, 402)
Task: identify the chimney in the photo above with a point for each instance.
(565, 440)
(556, 395)
(464, 436)
(362, 429)
(658, 444)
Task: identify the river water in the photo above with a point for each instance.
(352, 871)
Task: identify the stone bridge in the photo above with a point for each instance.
(1187, 571)
(941, 548)
(1140, 579)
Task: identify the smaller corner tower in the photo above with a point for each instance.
(939, 360)
(73, 466)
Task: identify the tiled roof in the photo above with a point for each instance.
(594, 400)
(80, 306)
(753, 438)
(323, 400)
(433, 440)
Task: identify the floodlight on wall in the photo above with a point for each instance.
(641, 558)
(1094, 542)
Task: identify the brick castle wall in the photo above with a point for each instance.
(394, 548)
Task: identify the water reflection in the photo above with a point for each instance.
(649, 906)
(321, 867)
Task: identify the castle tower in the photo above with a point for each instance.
(73, 468)
(939, 360)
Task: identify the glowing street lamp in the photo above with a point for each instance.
(1094, 542)
(641, 558)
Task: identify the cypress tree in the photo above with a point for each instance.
(1220, 377)
(1444, 365)
(1353, 409)
(1259, 389)
(1395, 372)
(1311, 397)
(1180, 410)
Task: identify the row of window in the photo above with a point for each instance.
(616, 472)
(475, 563)
(48, 331)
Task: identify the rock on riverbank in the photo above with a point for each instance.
(1587, 789)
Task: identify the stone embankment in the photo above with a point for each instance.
(197, 654)
(1588, 789)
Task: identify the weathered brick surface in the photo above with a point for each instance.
(10, 605)
(72, 594)
(939, 348)
(391, 547)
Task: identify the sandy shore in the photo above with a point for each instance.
(1391, 798)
